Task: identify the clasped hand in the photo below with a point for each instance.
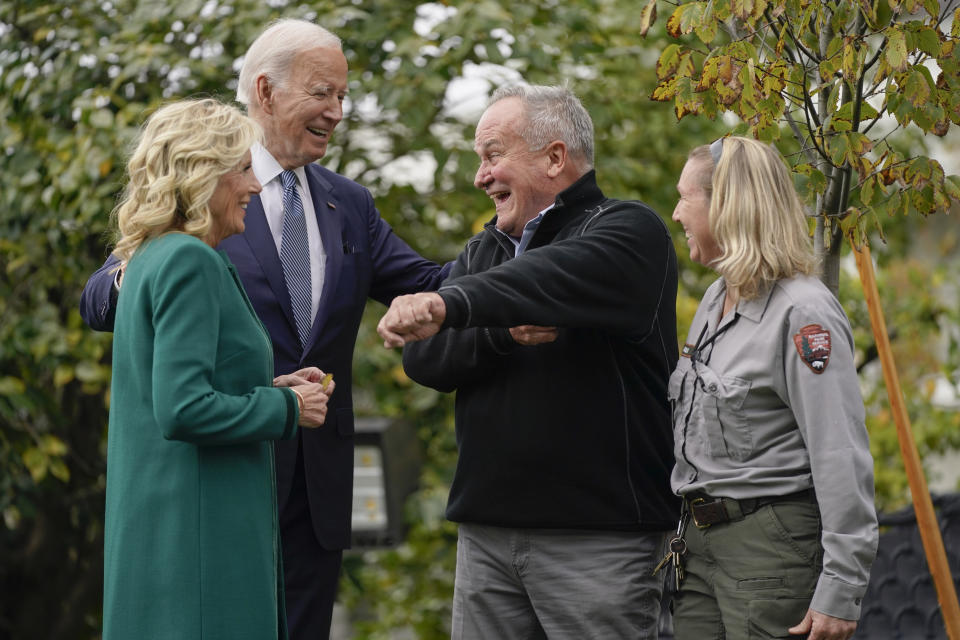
(411, 318)
(420, 315)
(307, 384)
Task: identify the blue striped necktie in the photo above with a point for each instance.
(295, 256)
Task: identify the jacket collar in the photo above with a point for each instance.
(569, 203)
(584, 192)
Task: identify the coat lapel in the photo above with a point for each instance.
(329, 212)
(258, 236)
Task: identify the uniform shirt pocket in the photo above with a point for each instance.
(724, 420)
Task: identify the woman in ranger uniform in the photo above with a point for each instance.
(772, 460)
(191, 544)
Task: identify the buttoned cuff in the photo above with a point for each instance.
(837, 598)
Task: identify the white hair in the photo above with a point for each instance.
(553, 113)
(272, 53)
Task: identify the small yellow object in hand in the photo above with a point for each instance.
(326, 380)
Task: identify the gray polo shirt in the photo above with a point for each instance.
(766, 402)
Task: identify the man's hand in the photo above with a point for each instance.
(411, 318)
(301, 376)
(529, 334)
(820, 626)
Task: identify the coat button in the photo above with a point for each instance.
(712, 388)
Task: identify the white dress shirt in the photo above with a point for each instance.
(268, 171)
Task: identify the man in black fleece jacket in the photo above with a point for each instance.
(557, 329)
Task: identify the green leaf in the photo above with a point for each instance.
(951, 185)
(706, 29)
(742, 9)
(859, 143)
(837, 148)
(685, 18)
(669, 61)
(10, 386)
(916, 89)
(867, 189)
(812, 183)
(918, 171)
(647, 17)
(36, 463)
(896, 48)
(868, 12)
(928, 41)
(62, 375)
(59, 470)
(52, 445)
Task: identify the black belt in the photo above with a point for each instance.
(706, 510)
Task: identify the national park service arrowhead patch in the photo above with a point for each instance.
(813, 345)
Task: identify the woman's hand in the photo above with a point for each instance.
(313, 413)
(301, 376)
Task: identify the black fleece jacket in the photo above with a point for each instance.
(574, 433)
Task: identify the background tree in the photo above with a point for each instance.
(76, 80)
(856, 93)
(835, 75)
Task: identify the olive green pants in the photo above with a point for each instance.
(750, 578)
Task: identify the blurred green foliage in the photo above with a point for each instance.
(76, 80)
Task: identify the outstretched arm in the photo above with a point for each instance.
(98, 302)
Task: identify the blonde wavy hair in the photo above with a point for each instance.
(755, 216)
(181, 153)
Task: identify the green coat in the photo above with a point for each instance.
(191, 538)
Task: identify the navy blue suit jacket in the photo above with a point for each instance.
(364, 259)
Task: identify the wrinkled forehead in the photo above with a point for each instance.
(500, 123)
(320, 66)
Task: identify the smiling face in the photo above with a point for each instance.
(518, 180)
(299, 115)
(228, 205)
(693, 212)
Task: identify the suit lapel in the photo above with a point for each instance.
(258, 236)
(329, 214)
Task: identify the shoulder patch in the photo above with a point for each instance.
(813, 345)
(687, 350)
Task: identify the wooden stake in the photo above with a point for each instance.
(922, 505)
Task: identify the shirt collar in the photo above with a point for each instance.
(266, 167)
(528, 228)
(753, 308)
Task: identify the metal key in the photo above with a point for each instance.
(663, 562)
(678, 547)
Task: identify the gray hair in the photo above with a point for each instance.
(272, 53)
(553, 113)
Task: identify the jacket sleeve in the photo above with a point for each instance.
(830, 414)
(188, 313)
(98, 302)
(616, 275)
(455, 357)
(397, 269)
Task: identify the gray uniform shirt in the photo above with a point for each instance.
(766, 402)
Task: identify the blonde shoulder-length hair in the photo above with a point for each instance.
(182, 151)
(755, 217)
